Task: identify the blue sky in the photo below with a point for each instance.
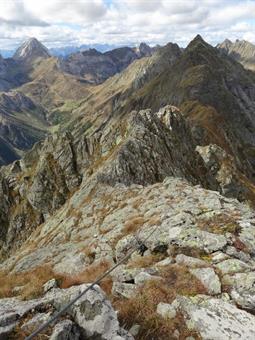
(119, 22)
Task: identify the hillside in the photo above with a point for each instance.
(22, 124)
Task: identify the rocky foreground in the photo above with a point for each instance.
(72, 208)
(199, 263)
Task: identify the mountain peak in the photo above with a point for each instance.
(30, 50)
(198, 40)
(144, 49)
(227, 41)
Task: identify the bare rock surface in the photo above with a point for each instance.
(92, 315)
(216, 319)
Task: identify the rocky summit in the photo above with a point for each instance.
(139, 158)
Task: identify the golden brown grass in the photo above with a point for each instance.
(145, 261)
(90, 274)
(220, 224)
(32, 282)
(155, 220)
(133, 224)
(141, 309)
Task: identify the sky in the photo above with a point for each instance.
(58, 23)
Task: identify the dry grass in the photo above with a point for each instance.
(133, 225)
(188, 251)
(31, 282)
(155, 220)
(219, 224)
(90, 274)
(145, 261)
(142, 308)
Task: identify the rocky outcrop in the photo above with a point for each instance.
(91, 317)
(206, 238)
(155, 145)
(143, 149)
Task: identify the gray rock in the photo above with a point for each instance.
(35, 322)
(8, 318)
(209, 279)
(231, 251)
(216, 319)
(134, 330)
(166, 262)
(190, 262)
(143, 277)
(166, 310)
(232, 266)
(126, 290)
(6, 331)
(125, 274)
(50, 285)
(72, 263)
(65, 330)
(242, 289)
(92, 312)
(195, 238)
(219, 256)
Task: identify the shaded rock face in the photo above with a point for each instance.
(39, 185)
(156, 145)
(22, 124)
(96, 67)
(11, 74)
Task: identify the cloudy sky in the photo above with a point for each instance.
(74, 22)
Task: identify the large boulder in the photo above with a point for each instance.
(93, 316)
(216, 319)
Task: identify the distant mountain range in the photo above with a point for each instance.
(51, 85)
(65, 51)
(241, 50)
(57, 86)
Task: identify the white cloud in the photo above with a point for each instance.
(65, 22)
